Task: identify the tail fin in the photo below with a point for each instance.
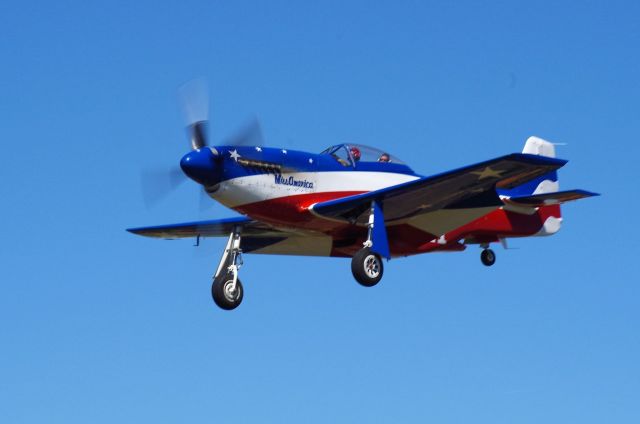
(535, 188)
(540, 147)
(547, 183)
(542, 195)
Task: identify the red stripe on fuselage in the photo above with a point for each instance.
(294, 210)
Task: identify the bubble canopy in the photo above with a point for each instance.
(350, 151)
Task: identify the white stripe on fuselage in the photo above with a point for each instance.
(256, 188)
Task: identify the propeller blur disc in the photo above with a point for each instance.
(194, 98)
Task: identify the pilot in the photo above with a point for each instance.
(384, 157)
(355, 153)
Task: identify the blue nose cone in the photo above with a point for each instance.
(200, 165)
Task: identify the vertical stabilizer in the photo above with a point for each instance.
(540, 147)
(547, 183)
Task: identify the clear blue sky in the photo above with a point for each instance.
(100, 326)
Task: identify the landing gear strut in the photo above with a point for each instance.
(488, 256)
(226, 290)
(366, 265)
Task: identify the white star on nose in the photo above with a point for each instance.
(234, 154)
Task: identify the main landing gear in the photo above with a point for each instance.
(366, 264)
(488, 256)
(367, 267)
(226, 290)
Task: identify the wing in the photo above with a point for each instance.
(257, 237)
(210, 228)
(469, 187)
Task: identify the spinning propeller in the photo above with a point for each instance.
(195, 105)
(203, 164)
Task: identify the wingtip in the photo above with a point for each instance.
(592, 193)
(541, 159)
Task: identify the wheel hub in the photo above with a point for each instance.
(230, 292)
(371, 266)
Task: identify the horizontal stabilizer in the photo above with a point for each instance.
(549, 198)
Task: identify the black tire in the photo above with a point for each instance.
(367, 267)
(222, 296)
(488, 257)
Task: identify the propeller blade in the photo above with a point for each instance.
(194, 97)
(198, 134)
(249, 134)
(159, 183)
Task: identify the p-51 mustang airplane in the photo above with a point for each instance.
(360, 202)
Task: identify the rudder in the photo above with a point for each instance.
(547, 183)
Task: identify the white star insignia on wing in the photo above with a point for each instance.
(234, 154)
(258, 149)
(284, 151)
(488, 173)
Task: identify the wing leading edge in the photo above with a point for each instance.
(257, 237)
(210, 228)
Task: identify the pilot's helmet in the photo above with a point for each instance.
(355, 153)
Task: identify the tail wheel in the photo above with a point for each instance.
(367, 267)
(225, 295)
(488, 257)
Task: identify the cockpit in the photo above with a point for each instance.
(353, 154)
